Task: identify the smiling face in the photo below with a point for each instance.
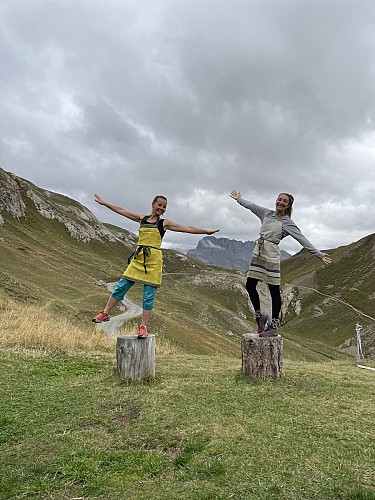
(159, 205)
(284, 204)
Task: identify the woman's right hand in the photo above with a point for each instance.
(235, 195)
(99, 199)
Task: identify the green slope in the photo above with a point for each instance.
(333, 298)
(199, 308)
(42, 263)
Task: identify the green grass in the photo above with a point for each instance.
(70, 429)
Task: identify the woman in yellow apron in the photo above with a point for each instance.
(265, 262)
(146, 262)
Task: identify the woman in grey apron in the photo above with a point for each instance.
(265, 262)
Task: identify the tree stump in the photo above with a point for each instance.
(135, 358)
(262, 357)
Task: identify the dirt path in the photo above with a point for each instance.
(112, 327)
(333, 298)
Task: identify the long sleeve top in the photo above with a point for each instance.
(289, 227)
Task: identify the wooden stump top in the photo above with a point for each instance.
(134, 337)
(255, 336)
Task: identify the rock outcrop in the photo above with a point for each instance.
(15, 193)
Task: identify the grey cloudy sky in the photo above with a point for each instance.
(192, 99)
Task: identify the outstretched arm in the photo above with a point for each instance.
(293, 230)
(172, 226)
(119, 210)
(259, 211)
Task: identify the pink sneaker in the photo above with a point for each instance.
(142, 332)
(102, 316)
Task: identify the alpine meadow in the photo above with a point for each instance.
(69, 428)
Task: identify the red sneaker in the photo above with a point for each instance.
(102, 316)
(142, 332)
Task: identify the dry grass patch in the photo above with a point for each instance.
(32, 329)
(28, 326)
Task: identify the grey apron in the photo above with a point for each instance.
(265, 262)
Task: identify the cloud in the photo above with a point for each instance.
(194, 99)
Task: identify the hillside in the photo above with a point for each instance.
(55, 252)
(325, 303)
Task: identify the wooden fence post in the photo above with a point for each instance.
(135, 358)
(262, 357)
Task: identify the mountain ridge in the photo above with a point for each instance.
(225, 252)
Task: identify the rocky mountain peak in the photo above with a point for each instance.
(224, 252)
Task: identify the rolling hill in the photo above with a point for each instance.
(55, 252)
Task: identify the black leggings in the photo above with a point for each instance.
(251, 287)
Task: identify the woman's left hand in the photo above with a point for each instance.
(326, 259)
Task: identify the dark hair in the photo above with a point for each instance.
(289, 210)
(157, 197)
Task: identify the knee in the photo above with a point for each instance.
(121, 288)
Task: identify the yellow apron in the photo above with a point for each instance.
(146, 262)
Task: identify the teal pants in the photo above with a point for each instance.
(124, 285)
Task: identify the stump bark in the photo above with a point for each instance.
(262, 357)
(135, 358)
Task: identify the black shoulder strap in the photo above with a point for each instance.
(161, 227)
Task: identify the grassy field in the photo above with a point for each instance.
(70, 429)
